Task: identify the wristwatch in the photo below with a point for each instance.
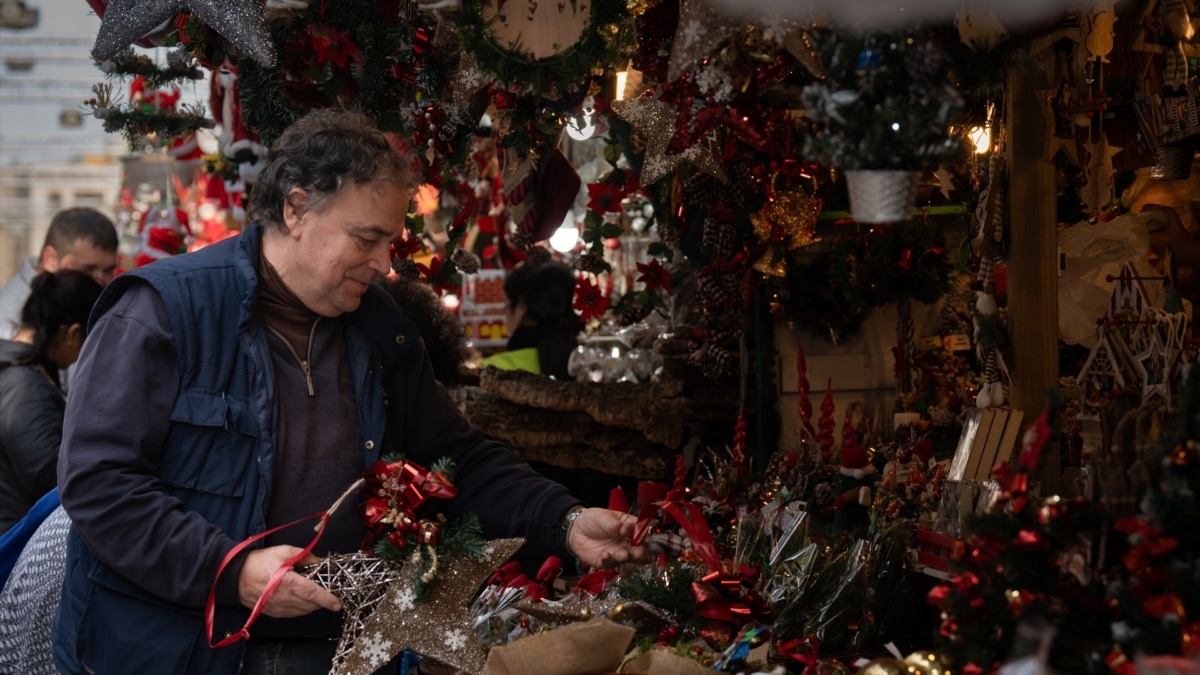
(564, 527)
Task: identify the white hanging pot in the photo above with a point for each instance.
(1172, 162)
(879, 196)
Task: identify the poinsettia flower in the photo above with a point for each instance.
(590, 301)
(654, 275)
(405, 247)
(605, 198)
(332, 44)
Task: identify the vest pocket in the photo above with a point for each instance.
(211, 445)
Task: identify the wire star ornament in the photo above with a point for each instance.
(383, 617)
(655, 121)
(238, 21)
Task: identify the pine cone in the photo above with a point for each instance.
(466, 261)
(668, 232)
(537, 256)
(703, 189)
(741, 187)
(405, 268)
(715, 362)
(629, 313)
(591, 262)
(718, 236)
(520, 240)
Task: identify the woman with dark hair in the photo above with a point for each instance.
(53, 326)
(543, 326)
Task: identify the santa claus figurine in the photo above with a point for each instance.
(238, 143)
(165, 232)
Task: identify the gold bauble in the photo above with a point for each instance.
(928, 663)
(886, 666)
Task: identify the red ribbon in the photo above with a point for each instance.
(594, 583)
(804, 650)
(268, 590)
(689, 517)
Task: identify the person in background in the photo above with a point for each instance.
(246, 385)
(52, 329)
(80, 239)
(543, 328)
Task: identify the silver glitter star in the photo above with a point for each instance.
(238, 21)
(655, 120)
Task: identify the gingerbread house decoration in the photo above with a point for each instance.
(1108, 369)
(482, 311)
(1129, 300)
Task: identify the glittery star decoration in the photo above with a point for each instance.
(701, 30)
(1099, 190)
(643, 617)
(440, 627)
(238, 21)
(655, 121)
(1154, 366)
(469, 79)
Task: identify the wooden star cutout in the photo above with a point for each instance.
(238, 21)
(1099, 170)
(655, 121)
(1055, 143)
(945, 181)
(439, 627)
(1154, 366)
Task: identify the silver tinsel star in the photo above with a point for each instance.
(238, 21)
(360, 582)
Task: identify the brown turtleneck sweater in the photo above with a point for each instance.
(318, 449)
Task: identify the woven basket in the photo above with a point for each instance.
(1172, 162)
(881, 196)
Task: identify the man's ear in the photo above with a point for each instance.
(48, 262)
(295, 205)
(74, 335)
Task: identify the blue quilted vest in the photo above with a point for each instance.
(219, 453)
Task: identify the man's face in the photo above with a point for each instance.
(84, 257)
(339, 251)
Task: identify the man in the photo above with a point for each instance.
(231, 390)
(79, 239)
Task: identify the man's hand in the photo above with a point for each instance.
(600, 538)
(295, 595)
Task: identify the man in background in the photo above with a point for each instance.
(80, 239)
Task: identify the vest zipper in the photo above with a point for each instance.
(305, 363)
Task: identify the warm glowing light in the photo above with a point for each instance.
(566, 236)
(426, 199)
(622, 75)
(981, 138)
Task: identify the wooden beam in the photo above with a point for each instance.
(1032, 267)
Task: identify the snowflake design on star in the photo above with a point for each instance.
(456, 640)
(377, 650)
(405, 599)
(488, 551)
(692, 33)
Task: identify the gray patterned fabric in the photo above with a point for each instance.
(30, 598)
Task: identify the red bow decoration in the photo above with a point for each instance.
(594, 583)
(804, 650)
(394, 491)
(729, 602)
(509, 575)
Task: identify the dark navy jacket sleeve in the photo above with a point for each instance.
(118, 416)
(509, 497)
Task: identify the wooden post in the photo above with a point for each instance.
(1033, 275)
